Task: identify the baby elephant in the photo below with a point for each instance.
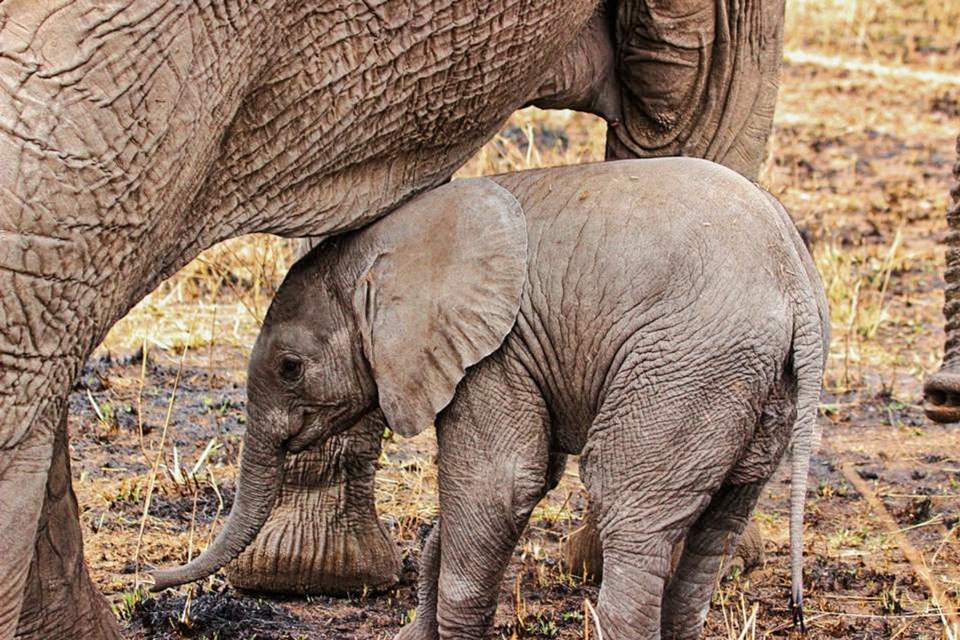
(659, 317)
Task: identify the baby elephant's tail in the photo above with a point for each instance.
(811, 341)
(808, 371)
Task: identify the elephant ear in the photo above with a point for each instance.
(441, 293)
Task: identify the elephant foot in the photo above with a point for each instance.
(324, 536)
(296, 553)
(414, 631)
(60, 601)
(749, 553)
(941, 395)
(583, 555)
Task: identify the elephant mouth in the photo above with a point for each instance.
(299, 443)
(321, 421)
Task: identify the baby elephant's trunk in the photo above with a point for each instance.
(258, 485)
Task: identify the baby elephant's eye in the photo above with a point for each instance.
(291, 368)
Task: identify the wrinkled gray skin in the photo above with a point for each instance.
(942, 390)
(659, 317)
(136, 133)
(583, 555)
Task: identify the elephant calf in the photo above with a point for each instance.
(659, 317)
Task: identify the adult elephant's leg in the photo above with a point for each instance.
(324, 536)
(942, 389)
(24, 467)
(698, 78)
(60, 601)
(41, 350)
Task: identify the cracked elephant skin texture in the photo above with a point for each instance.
(136, 133)
(660, 317)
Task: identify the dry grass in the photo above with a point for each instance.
(739, 619)
(219, 298)
(912, 32)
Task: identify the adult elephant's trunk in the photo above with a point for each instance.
(942, 390)
(258, 485)
(324, 536)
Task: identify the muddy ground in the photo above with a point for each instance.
(862, 159)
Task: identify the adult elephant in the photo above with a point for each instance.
(942, 389)
(136, 133)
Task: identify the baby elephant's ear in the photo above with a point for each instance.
(441, 294)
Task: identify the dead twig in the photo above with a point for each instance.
(591, 613)
(156, 466)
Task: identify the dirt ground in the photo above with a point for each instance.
(861, 155)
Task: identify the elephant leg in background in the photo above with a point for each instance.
(45, 591)
(583, 555)
(323, 536)
(698, 79)
(424, 626)
(23, 487)
(60, 601)
(711, 539)
(942, 389)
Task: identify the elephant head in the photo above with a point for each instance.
(386, 319)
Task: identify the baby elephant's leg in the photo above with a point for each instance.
(714, 536)
(711, 539)
(494, 466)
(636, 548)
(424, 627)
(650, 472)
